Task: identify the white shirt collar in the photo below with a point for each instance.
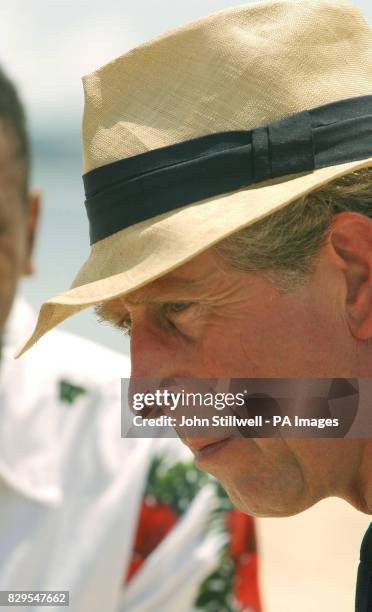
(21, 321)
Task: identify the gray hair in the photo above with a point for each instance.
(284, 245)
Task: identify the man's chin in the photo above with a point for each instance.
(261, 506)
(257, 488)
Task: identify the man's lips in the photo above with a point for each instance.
(206, 448)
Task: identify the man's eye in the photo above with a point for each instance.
(175, 308)
(171, 309)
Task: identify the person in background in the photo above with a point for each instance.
(121, 524)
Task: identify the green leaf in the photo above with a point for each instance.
(69, 393)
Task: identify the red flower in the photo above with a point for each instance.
(242, 534)
(242, 549)
(154, 522)
(134, 566)
(246, 586)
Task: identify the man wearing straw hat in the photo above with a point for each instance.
(228, 189)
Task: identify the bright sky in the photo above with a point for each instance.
(47, 45)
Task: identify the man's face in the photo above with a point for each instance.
(205, 320)
(16, 226)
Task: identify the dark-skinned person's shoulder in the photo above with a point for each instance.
(67, 394)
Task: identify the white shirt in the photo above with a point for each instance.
(71, 488)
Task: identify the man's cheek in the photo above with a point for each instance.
(224, 355)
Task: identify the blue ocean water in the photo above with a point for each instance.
(63, 242)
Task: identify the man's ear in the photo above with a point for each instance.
(33, 211)
(351, 240)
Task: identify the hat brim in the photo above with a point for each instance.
(138, 255)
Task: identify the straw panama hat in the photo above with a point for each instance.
(211, 127)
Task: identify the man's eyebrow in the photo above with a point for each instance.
(165, 290)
